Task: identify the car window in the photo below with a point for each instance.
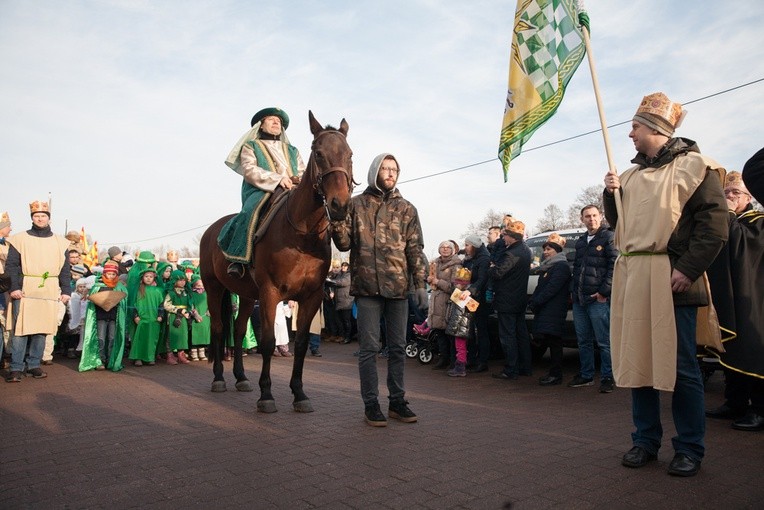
(536, 245)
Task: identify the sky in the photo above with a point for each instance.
(125, 110)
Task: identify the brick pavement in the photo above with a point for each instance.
(156, 437)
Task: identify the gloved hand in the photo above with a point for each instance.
(422, 299)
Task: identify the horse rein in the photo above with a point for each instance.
(318, 186)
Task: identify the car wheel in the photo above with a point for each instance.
(412, 350)
(425, 355)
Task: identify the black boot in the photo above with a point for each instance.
(236, 270)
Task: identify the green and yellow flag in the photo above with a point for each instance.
(547, 47)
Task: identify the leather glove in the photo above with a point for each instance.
(422, 299)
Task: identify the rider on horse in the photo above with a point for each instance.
(267, 162)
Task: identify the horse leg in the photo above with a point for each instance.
(219, 302)
(242, 322)
(307, 311)
(267, 343)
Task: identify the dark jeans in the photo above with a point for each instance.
(516, 342)
(479, 343)
(555, 352)
(446, 348)
(346, 320)
(395, 314)
(687, 400)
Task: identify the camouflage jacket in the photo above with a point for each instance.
(383, 234)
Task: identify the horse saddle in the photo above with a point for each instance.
(275, 202)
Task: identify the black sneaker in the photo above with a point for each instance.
(37, 373)
(399, 409)
(316, 353)
(374, 416)
(579, 381)
(606, 385)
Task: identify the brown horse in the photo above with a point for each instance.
(290, 261)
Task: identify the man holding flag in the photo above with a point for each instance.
(547, 47)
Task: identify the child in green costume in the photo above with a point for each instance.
(177, 305)
(200, 327)
(147, 318)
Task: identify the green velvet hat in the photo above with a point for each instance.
(147, 270)
(147, 257)
(177, 275)
(267, 112)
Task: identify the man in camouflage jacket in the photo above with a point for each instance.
(383, 234)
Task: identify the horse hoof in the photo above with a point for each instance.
(245, 385)
(218, 386)
(266, 406)
(303, 406)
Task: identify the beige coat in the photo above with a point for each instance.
(642, 325)
(39, 308)
(316, 325)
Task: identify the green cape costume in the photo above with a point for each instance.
(147, 333)
(200, 331)
(90, 359)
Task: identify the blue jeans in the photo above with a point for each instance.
(687, 400)
(592, 323)
(371, 310)
(314, 342)
(19, 347)
(516, 342)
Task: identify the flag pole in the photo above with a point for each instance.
(600, 108)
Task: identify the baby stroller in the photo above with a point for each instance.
(423, 345)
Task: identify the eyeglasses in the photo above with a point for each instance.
(390, 169)
(735, 192)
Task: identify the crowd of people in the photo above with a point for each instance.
(681, 235)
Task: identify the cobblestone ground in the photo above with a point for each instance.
(156, 437)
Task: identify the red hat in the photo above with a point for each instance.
(111, 266)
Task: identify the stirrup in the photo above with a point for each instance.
(236, 269)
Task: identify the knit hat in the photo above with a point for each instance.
(5, 220)
(110, 265)
(473, 240)
(114, 251)
(79, 269)
(267, 112)
(556, 241)
(39, 206)
(658, 112)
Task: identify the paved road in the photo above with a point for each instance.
(156, 437)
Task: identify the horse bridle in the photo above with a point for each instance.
(318, 185)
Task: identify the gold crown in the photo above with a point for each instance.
(463, 273)
(557, 239)
(660, 105)
(39, 206)
(516, 227)
(734, 179)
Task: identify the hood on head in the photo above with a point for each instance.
(374, 169)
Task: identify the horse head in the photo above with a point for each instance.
(330, 167)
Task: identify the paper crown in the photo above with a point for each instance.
(463, 274)
(39, 206)
(658, 112)
(556, 240)
(734, 180)
(515, 227)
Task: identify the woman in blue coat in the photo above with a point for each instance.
(549, 304)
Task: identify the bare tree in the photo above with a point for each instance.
(480, 228)
(553, 219)
(588, 195)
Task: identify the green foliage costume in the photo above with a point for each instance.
(147, 307)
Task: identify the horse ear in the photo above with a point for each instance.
(344, 127)
(315, 126)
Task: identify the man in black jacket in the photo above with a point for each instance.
(592, 279)
(510, 285)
